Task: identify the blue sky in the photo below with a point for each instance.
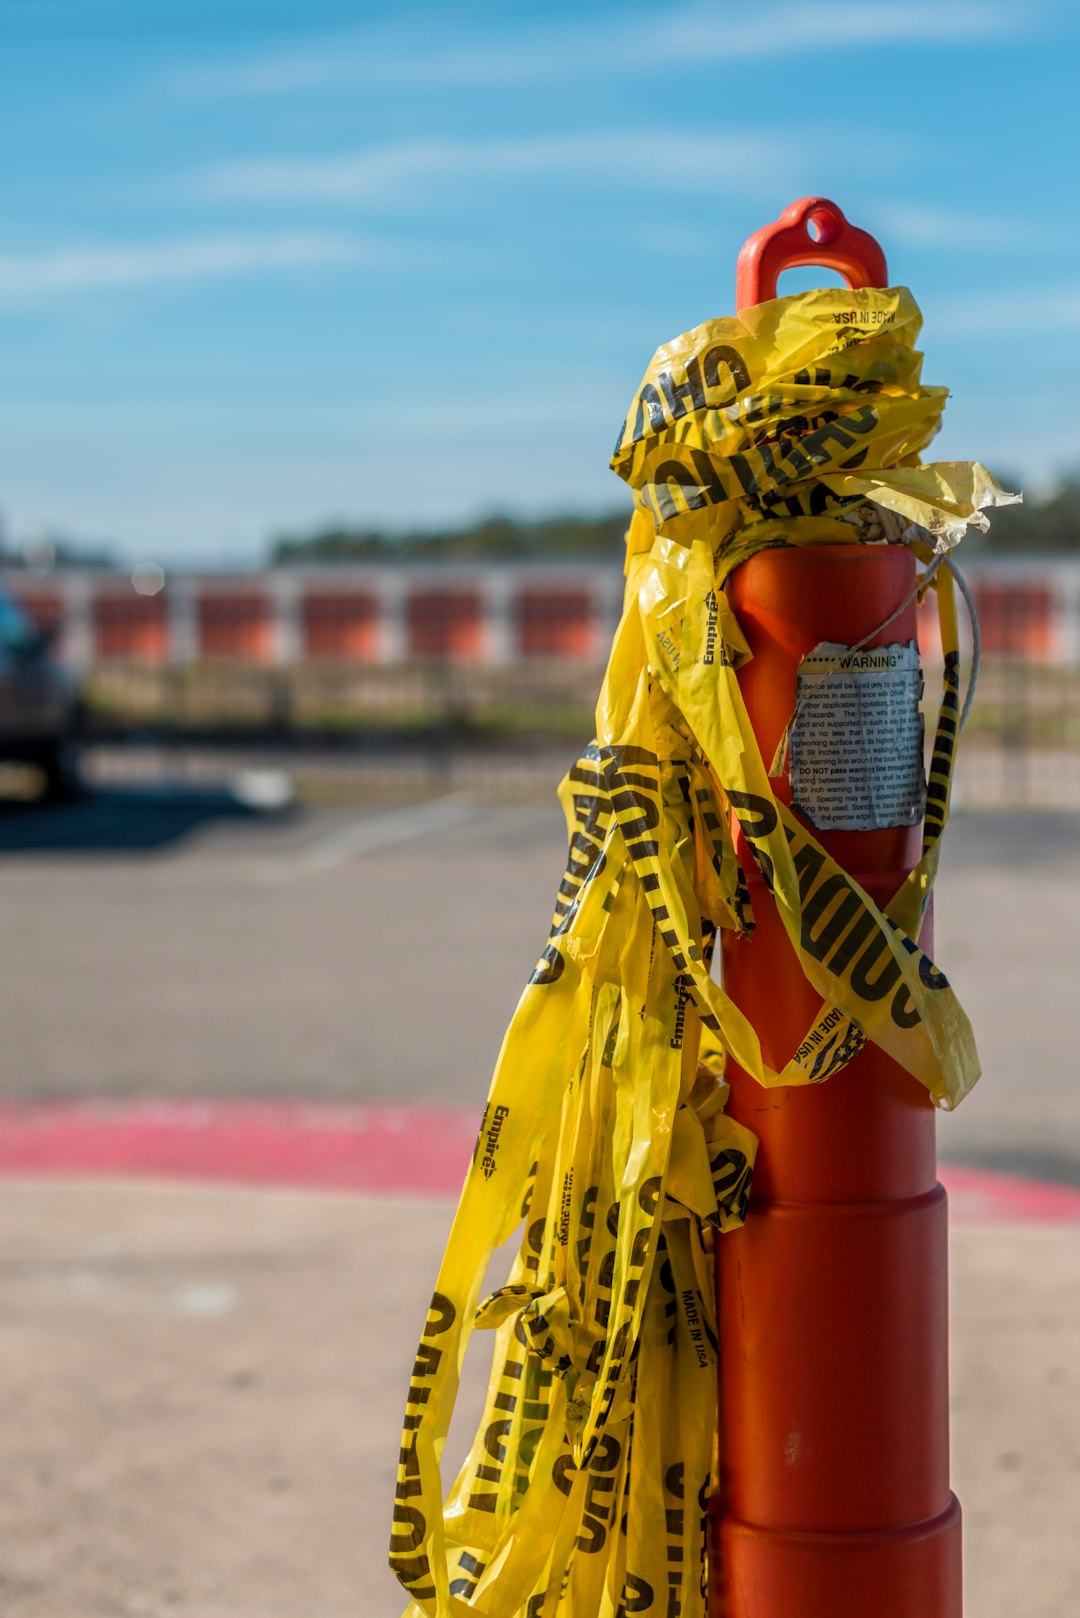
(266, 264)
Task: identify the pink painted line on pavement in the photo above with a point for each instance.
(379, 1149)
(422, 1151)
(982, 1197)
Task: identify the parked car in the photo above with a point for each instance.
(40, 702)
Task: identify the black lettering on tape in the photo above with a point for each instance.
(868, 988)
(637, 1596)
(816, 904)
(549, 968)
(687, 482)
(678, 394)
(649, 1194)
(723, 354)
(414, 1522)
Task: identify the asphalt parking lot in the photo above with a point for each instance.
(207, 941)
(203, 1384)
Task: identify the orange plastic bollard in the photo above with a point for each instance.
(834, 1495)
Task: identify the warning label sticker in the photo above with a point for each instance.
(857, 738)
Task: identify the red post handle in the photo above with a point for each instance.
(789, 241)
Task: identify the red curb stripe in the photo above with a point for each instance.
(378, 1149)
(981, 1196)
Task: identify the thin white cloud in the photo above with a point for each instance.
(387, 173)
(784, 28)
(1021, 310)
(619, 43)
(62, 271)
(921, 225)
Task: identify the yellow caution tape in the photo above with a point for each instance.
(605, 1137)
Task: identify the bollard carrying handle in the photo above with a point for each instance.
(789, 242)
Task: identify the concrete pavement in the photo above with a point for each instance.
(202, 1393)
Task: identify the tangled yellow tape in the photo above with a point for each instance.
(605, 1137)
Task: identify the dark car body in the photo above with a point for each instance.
(40, 709)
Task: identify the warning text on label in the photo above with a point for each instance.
(856, 743)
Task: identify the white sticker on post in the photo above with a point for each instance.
(857, 738)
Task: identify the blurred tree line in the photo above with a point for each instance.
(495, 539)
(1044, 525)
(1047, 524)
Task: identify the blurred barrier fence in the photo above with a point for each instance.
(343, 730)
(336, 701)
(384, 614)
(1022, 744)
(360, 680)
(509, 731)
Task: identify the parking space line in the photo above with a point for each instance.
(370, 836)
